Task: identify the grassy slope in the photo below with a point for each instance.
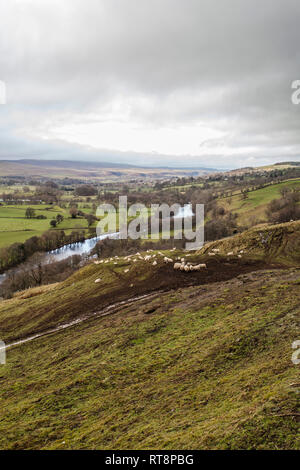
(256, 203)
(263, 247)
(280, 242)
(209, 368)
(205, 366)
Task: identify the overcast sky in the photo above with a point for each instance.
(163, 82)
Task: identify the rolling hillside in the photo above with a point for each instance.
(156, 358)
(254, 207)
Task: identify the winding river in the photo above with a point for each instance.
(84, 248)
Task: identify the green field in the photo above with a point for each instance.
(15, 227)
(256, 203)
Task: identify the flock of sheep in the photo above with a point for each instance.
(149, 257)
(180, 263)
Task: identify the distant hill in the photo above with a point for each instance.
(288, 163)
(68, 164)
(91, 170)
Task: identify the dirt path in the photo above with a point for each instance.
(111, 309)
(162, 281)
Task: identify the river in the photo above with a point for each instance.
(84, 248)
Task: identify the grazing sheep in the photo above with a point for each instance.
(154, 263)
(230, 253)
(126, 271)
(216, 250)
(168, 260)
(211, 254)
(198, 267)
(97, 281)
(177, 266)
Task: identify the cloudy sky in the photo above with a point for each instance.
(161, 82)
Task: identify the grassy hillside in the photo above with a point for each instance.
(263, 247)
(272, 243)
(201, 367)
(203, 361)
(254, 207)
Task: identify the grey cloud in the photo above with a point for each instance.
(227, 64)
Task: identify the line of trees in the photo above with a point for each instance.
(286, 208)
(34, 273)
(17, 253)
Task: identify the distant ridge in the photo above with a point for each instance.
(288, 163)
(69, 163)
(91, 164)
